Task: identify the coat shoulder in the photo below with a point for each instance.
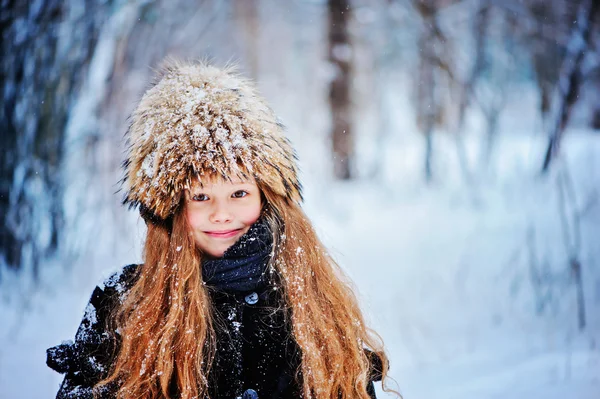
(122, 280)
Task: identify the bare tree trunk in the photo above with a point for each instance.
(383, 65)
(427, 107)
(545, 53)
(570, 77)
(427, 111)
(491, 135)
(340, 56)
(480, 32)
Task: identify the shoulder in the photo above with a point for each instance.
(110, 293)
(120, 281)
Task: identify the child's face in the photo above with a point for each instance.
(220, 212)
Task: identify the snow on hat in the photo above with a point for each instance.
(197, 121)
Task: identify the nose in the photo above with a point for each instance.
(220, 213)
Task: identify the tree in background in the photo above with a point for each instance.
(546, 39)
(427, 107)
(340, 57)
(434, 68)
(570, 77)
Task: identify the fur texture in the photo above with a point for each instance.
(195, 120)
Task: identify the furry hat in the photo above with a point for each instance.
(198, 120)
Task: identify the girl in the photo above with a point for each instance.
(237, 297)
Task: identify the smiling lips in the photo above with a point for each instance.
(222, 234)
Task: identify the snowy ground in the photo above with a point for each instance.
(442, 271)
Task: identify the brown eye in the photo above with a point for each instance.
(239, 194)
(200, 197)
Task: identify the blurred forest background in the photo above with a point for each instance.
(442, 99)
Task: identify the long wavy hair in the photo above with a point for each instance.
(167, 328)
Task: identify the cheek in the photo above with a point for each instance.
(194, 218)
(251, 213)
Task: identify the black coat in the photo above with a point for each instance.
(256, 355)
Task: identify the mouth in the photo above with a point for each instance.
(222, 234)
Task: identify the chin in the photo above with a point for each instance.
(217, 252)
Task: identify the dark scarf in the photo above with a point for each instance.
(243, 265)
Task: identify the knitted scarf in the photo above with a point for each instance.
(243, 265)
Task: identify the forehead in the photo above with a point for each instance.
(216, 181)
